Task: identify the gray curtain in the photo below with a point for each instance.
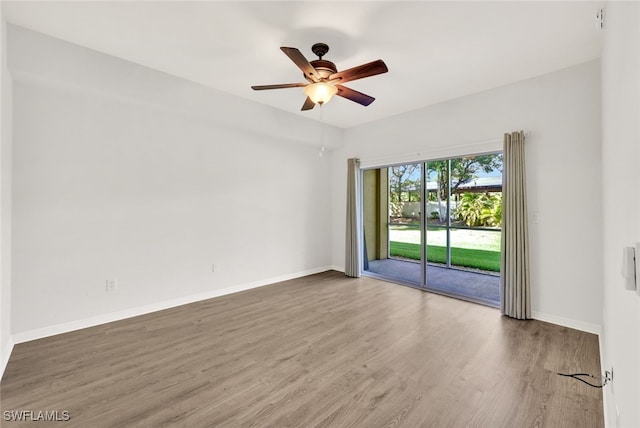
(514, 266)
(352, 250)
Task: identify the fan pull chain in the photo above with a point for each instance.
(321, 152)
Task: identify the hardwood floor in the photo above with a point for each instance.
(323, 350)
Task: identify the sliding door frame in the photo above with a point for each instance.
(496, 148)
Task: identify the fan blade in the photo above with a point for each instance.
(284, 85)
(360, 72)
(308, 104)
(354, 95)
(303, 64)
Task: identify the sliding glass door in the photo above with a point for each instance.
(436, 225)
(463, 228)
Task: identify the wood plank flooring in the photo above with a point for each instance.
(319, 351)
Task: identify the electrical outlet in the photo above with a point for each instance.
(608, 376)
(112, 285)
(214, 267)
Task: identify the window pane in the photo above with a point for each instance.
(436, 206)
(475, 249)
(392, 210)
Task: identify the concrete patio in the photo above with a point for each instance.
(468, 285)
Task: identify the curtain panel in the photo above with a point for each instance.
(352, 249)
(514, 266)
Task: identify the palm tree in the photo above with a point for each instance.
(480, 209)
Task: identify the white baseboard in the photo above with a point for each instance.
(568, 322)
(605, 395)
(6, 354)
(336, 268)
(52, 330)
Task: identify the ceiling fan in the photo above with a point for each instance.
(324, 80)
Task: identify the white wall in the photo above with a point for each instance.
(620, 159)
(123, 172)
(562, 112)
(5, 201)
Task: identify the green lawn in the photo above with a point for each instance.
(488, 240)
(478, 259)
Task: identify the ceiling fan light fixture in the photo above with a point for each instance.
(321, 92)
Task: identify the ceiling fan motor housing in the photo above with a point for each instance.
(324, 68)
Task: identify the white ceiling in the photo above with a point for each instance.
(435, 51)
